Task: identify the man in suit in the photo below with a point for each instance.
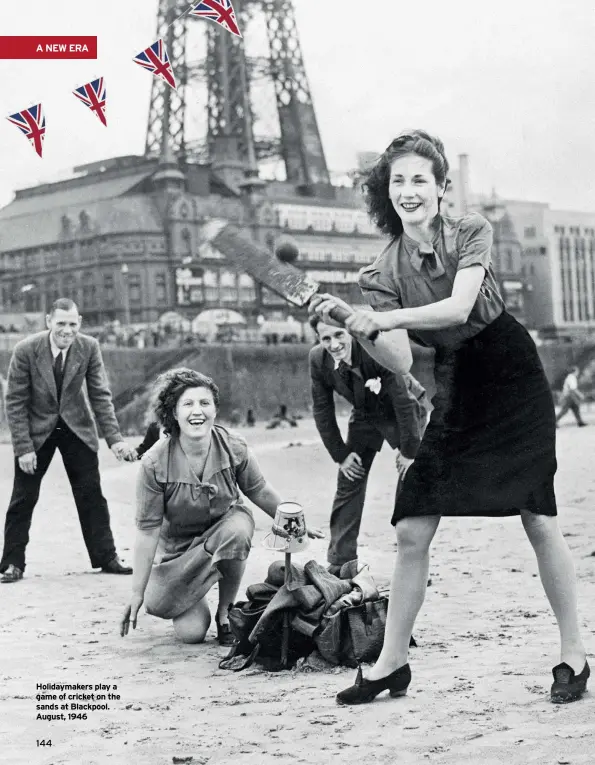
(386, 406)
(48, 408)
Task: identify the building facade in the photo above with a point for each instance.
(122, 238)
(559, 268)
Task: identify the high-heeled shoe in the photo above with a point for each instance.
(567, 686)
(365, 691)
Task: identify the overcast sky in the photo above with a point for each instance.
(509, 83)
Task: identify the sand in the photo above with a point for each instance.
(481, 674)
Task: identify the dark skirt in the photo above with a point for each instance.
(490, 446)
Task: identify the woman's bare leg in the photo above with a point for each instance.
(192, 625)
(232, 572)
(407, 592)
(558, 577)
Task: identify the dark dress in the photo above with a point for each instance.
(489, 448)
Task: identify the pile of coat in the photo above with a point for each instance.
(342, 618)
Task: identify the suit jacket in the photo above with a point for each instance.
(32, 406)
(397, 412)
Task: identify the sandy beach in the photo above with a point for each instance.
(481, 673)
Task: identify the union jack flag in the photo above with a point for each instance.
(93, 95)
(155, 59)
(31, 122)
(219, 11)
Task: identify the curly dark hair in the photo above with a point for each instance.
(375, 184)
(168, 388)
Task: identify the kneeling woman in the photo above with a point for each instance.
(193, 529)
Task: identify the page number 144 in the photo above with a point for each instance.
(44, 742)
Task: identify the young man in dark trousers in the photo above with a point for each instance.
(386, 406)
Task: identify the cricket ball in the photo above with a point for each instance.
(286, 249)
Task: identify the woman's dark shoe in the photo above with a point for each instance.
(567, 686)
(224, 633)
(365, 691)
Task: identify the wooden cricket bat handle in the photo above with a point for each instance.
(341, 314)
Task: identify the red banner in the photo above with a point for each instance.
(48, 47)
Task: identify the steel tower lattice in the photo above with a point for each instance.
(231, 108)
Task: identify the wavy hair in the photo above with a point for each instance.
(375, 184)
(168, 388)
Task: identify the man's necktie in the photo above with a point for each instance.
(59, 373)
(345, 373)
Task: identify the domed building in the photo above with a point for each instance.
(121, 238)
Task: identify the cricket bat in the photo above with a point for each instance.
(284, 279)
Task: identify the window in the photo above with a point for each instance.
(229, 292)
(134, 288)
(186, 242)
(247, 289)
(84, 221)
(32, 300)
(89, 290)
(530, 232)
(66, 226)
(108, 289)
(211, 283)
(52, 292)
(160, 288)
(509, 261)
(69, 289)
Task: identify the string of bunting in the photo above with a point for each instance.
(154, 58)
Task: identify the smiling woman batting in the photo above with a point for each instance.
(489, 448)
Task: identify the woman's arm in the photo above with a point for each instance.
(391, 350)
(144, 555)
(266, 499)
(150, 511)
(451, 312)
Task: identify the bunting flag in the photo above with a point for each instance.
(219, 11)
(155, 60)
(93, 95)
(31, 122)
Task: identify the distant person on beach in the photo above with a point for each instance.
(281, 418)
(490, 446)
(193, 528)
(571, 398)
(386, 407)
(57, 390)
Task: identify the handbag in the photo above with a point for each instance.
(355, 634)
(366, 624)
